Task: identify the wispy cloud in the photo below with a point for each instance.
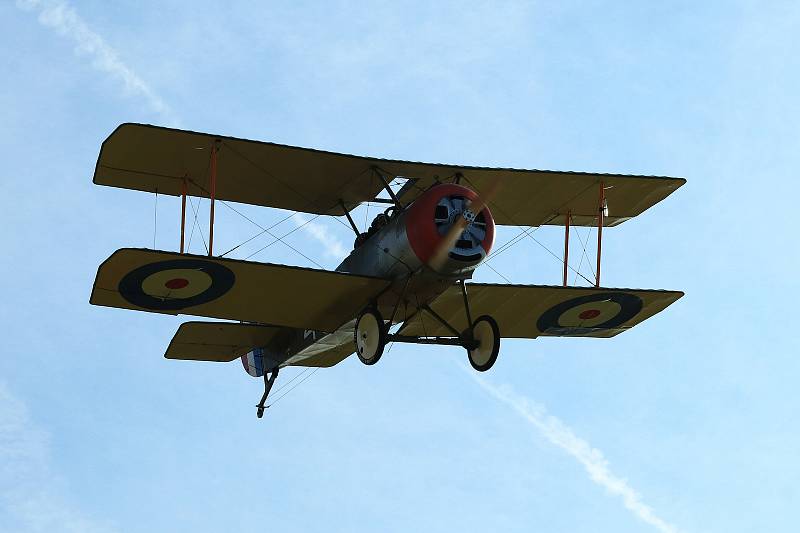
(592, 459)
(29, 498)
(331, 244)
(60, 16)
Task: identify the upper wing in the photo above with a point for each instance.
(167, 282)
(545, 197)
(529, 311)
(156, 159)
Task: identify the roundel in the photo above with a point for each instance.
(176, 284)
(590, 313)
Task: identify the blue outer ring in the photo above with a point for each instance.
(630, 304)
(130, 287)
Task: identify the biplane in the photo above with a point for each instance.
(405, 279)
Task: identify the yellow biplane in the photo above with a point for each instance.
(408, 269)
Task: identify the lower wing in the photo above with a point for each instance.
(173, 283)
(530, 311)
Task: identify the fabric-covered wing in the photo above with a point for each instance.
(330, 356)
(155, 159)
(167, 282)
(544, 197)
(329, 350)
(530, 311)
(218, 341)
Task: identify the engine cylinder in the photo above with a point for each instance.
(413, 237)
(432, 216)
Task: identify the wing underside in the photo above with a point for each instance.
(296, 297)
(169, 161)
(530, 311)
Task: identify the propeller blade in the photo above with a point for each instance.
(471, 210)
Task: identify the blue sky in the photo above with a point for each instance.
(686, 423)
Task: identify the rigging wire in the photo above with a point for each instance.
(226, 204)
(529, 233)
(195, 224)
(498, 273)
(282, 182)
(277, 239)
(260, 233)
(585, 255)
(304, 371)
(276, 400)
(508, 244)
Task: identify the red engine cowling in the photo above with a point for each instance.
(431, 216)
(403, 243)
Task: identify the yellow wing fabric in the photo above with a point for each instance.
(227, 341)
(218, 341)
(530, 311)
(155, 159)
(544, 197)
(165, 282)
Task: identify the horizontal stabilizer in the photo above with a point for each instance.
(218, 341)
(530, 311)
(280, 295)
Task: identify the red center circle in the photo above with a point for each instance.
(589, 314)
(176, 283)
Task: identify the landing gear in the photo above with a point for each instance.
(481, 339)
(485, 335)
(370, 336)
(269, 380)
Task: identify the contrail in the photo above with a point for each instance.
(62, 17)
(331, 244)
(591, 458)
(29, 499)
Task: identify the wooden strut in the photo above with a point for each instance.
(183, 212)
(213, 195)
(349, 218)
(386, 186)
(600, 215)
(566, 244)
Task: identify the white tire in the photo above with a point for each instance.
(370, 336)
(486, 333)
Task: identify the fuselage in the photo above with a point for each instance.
(400, 245)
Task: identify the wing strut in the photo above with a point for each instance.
(602, 209)
(387, 187)
(183, 211)
(214, 149)
(566, 244)
(349, 218)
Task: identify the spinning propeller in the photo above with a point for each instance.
(464, 224)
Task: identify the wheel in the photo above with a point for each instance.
(487, 334)
(260, 412)
(370, 336)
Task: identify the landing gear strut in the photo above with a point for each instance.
(269, 380)
(481, 339)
